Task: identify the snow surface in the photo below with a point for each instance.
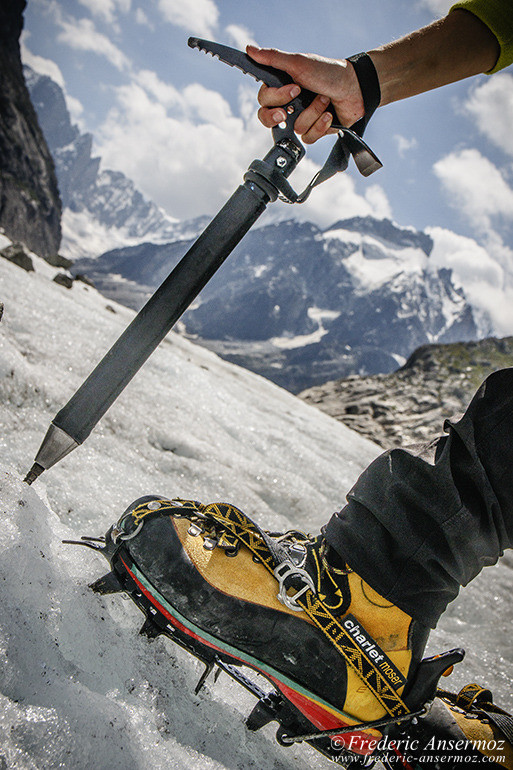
(300, 340)
(78, 687)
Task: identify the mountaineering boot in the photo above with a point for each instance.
(281, 604)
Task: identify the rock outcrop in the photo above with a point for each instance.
(18, 255)
(410, 405)
(30, 206)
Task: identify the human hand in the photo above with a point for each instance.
(334, 80)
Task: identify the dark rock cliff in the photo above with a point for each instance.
(30, 206)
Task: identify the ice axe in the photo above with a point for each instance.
(264, 182)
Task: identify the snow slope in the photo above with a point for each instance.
(189, 423)
(78, 687)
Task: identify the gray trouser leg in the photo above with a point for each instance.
(422, 521)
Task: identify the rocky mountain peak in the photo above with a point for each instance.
(105, 200)
(50, 105)
(385, 231)
(295, 305)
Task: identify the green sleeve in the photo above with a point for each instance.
(498, 17)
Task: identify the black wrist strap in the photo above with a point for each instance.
(369, 85)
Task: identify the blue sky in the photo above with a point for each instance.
(183, 125)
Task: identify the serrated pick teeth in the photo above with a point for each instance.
(215, 55)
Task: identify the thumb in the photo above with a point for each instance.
(269, 56)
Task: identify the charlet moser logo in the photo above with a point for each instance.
(373, 651)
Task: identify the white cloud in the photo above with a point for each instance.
(240, 36)
(336, 198)
(164, 93)
(476, 188)
(491, 106)
(404, 145)
(438, 7)
(187, 150)
(482, 272)
(106, 10)
(39, 64)
(142, 19)
(75, 108)
(51, 69)
(81, 34)
(199, 17)
(208, 106)
(378, 201)
(470, 262)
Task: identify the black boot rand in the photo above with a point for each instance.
(345, 665)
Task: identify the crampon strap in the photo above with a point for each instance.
(477, 700)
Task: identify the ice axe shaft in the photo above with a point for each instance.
(75, 421)
(160, 313)
(265, 181)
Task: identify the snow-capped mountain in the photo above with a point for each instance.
(101, 208)
(302, 305)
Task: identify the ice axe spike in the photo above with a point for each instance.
(264, 182)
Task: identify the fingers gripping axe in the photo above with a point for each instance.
(264, 182)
